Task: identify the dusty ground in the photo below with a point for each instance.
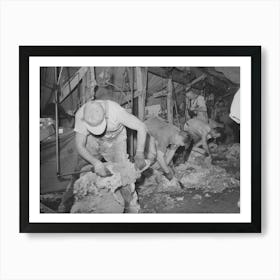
(203, 188)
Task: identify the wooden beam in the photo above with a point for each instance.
(176, 75)
(198, 79)
(72, 83)
(175, 105)
(128, 97)
(141, 81)
(83, 87)
(211, 78)
(162, 93)
(170, 103)
(131, 98)
(92, 81)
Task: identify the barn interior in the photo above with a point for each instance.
(201, 186)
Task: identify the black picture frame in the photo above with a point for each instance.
(25, 52)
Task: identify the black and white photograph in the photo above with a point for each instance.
(139, 139)
(129, 139)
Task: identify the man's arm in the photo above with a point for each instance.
(168, 173)
(162, 162)
(205, 144)
(170, 154)
(134, 123)
(99, 168)
(81, 140)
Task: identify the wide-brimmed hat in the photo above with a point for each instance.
(94, 117)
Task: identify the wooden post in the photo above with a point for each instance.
(187, 116)
(141, 81)
(92, 82)
(82, 91)
(175, 101)
(131, 152)
(170, 103)
(56, 124)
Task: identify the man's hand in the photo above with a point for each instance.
(101, 170)
(169, 175)
(139, 160)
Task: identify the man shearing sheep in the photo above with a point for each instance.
(100, 127)
(162, 142)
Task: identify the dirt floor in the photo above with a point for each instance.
(202, 187)
(192, 201)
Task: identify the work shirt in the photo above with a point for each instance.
(114, 127)
(162, 131)
(198, 105)
(235, 108)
